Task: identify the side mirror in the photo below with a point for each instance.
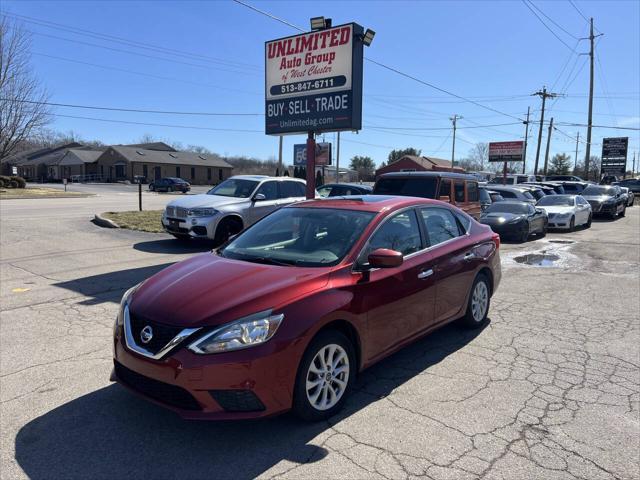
(258, 197)
(385, 258)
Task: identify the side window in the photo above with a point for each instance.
(440, 224)
(507, 194)
(459, 192)
(472, 192)
(400, 233)
(269, 190)
(324, 191)
(290, 189)
(301, 189)
(465, 221)
(445, 188)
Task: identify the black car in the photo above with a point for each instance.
(344, 189)
(632, 184)
(606, 200)
(563, 178)
(573, 188)
(170, 184)
(515, 219)
(549, 188)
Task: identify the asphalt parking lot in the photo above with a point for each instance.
(549, 389)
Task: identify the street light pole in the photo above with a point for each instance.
(526, 140)
(454, 119)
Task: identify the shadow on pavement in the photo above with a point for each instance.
(111, 433)
(171, 245)
(108, 287)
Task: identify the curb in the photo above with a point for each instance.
(104, 222)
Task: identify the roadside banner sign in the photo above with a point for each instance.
(614, 155)
(14, 170)
(506, 151)
(323, 154)
(313, 81)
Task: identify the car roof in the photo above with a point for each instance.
(507, 187)
(346, 184)
(366, 203)
(265, 177)
(463, 176)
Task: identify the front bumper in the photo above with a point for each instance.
(506, 230)
(559, 222)
(603, 208)
(196, 227)
(251, 383)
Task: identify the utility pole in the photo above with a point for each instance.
(587, 154)
(338, 160)
(575, 163)
(546, 155)
(454, 119)
(544, 95)
(280, 156)
(633, 169)
(526, 140)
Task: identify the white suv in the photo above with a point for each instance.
(230, 207)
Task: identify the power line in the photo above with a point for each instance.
(578, 10)
(553, 21)
(476, 125)
(188, 127)
(547, 26)
(278, 19)
(135, 110)
(127, 42)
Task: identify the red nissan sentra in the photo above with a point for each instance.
(288, 312)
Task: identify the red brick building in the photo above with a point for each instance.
(410, 163)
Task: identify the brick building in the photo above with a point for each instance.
(411, 163)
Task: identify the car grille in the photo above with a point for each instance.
(162, 334)
(160, 391)
(595, 206)
(237, 400)
(177, 212)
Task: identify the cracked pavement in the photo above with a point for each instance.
(549, 389)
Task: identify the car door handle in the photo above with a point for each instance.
(425, 273)
(469, 256)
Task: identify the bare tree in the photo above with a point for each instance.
(479, 154)
(22, 108)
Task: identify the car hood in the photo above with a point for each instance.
(597, 198)
(496, 218)
(204, 200)
(209, 290)
(558, 209)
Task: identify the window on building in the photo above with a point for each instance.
(208, 174)
(220, 174)
(144, 170)
(193, 173)
(178, 172)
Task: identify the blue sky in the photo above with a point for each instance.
(496, 53)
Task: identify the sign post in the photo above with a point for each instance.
(506, 152)
(614, 156)
(313, 84)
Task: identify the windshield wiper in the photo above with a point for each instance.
(269, 261)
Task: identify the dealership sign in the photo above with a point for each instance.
(614, 155)
(323, 154)
(506, 151)
(314, 81)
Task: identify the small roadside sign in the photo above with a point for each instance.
(506, 151)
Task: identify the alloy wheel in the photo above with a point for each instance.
(479, 301)
(327, 377)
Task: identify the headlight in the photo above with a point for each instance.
(202, 212)
(123, 302)
(246, 332)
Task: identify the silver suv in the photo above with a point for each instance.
(230, 207)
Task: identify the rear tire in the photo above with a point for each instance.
(152, 188)
(588, 224)
(321, 389)
(169, 189)
(572, 224)
(478, 303)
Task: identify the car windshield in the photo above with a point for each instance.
(537, 193)
(597, 190)
(409, 186)
(307, 237)
(507, 207)
(234, 187)
(573, 187)
(500, 181)
(557, 200)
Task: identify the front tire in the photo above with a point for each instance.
(624, 211)
(572, 224)
(170, 189)
(524, 236)
(325, 376)
(588, 224)
(479, 302)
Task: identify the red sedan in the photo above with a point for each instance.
(287, 313)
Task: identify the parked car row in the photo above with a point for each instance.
(304, 295)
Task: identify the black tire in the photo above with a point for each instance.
(152, 188)
(302, 407)
(543, 232)
(524, 236)
(588, 224)
(469, 320)
(624, 211)
(572, 224)
(226, 228)
(169, 189)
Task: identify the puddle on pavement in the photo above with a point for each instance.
(538, 259)
(564, 242)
